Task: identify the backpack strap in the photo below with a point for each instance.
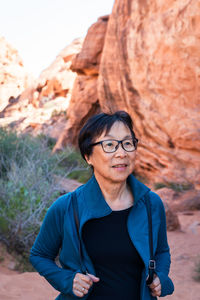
(77, 223)
(152, 263)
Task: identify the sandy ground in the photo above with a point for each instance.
(185, 249)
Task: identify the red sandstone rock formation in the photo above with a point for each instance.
(155, 47)
(145, 60)
(84, 100)
(57, 80)
(13, 76)
(45, 97)
(185, 201)
(150, 68)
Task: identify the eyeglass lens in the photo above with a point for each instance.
(112, 145)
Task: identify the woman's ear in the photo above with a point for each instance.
(87, 158)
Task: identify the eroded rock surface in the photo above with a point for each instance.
(185, 201)
(57, 80)
(13, 76)
(154, 48)
(84, 100)
(150, 67)
(144, 58)
(46, 98)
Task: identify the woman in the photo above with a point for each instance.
(113, 224)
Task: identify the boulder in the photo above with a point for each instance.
(171, 219)
(185, 201)
(168, 197)
(189, 201)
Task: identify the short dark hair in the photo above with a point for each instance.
(96, 125)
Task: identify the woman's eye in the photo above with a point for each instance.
(128, 143)
(110, 144)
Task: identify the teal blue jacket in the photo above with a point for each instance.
(58, 235)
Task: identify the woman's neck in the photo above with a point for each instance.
(117, 194)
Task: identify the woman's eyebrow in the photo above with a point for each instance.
(112, 137)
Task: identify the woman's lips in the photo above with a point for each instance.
(120, 166)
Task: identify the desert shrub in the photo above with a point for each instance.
(76, 166)
(81, 175)
(20, 149)
(47, 140)
(58, 113)
(159, 185)
(28, 185)
(25, 196)
(197, 270)
(176, 186)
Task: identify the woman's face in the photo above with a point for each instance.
(116, 166)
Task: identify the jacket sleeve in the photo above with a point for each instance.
(162, 255)
(46, 248)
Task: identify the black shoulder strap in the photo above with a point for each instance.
(152, 263)
(75, 210)
(77, 223)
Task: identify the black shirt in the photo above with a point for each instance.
(116, 261)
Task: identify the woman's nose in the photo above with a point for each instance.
(120, 151)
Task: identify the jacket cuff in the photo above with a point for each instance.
(167, 286)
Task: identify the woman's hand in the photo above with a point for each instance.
(155, 287)
(82, 283)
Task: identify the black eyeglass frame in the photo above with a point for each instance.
(135, 142)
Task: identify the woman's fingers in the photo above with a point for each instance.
(78, 294)
(155, 287)
(156, 281)
(93, 278)
(82, 283)
(156, 291)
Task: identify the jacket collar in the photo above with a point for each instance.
(138, 188)
(93, 204)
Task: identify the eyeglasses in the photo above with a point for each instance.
(110, 146)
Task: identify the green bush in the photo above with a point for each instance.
(197, 270)
(177, 187)
(20, 150)
(81, 175)
(25, 196)
(159, 185)
(28, 184)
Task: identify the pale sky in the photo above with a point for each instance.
(40, 29)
